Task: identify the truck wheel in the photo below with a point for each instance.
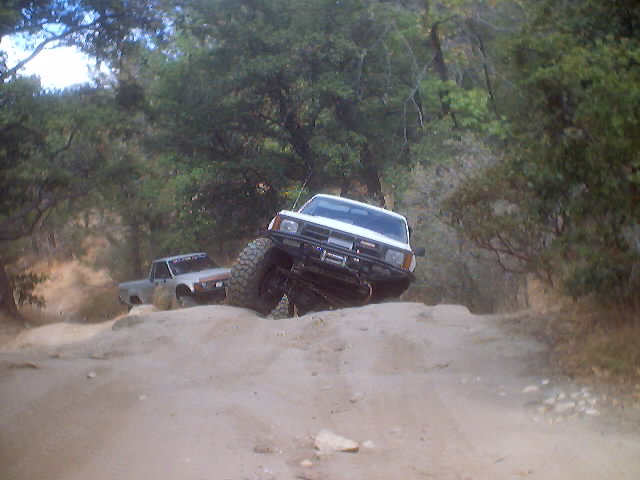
(185, 298)
(255, 280)
(187, 302)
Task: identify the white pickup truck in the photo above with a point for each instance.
(194, 278)
(332, 253)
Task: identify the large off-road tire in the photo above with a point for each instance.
(256, 282)
(184, 298)
(187, 301)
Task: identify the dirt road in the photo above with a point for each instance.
(215, 393)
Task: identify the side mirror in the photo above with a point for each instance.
(419, 251)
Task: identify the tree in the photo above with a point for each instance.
(53, 146)
(55, 149)
(99, 27)
(571, 168)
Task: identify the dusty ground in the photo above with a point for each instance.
(217, 393)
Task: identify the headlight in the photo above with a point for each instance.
(289, 226)
(394, 257)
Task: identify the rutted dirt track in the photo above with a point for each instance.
(217, 393)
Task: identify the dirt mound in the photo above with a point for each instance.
(425, 392)
(55, 335)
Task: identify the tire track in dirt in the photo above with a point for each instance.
(399, 410)
(31, 451)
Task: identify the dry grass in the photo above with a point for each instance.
(597, 341)
(616, 352)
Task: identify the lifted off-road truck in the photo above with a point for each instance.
(332, 253)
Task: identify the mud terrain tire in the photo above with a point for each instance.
(254, 276)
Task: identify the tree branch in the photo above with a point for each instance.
(42, 45)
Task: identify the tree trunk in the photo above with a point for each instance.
(136, 257)
(485, 69)
(372, 176)
(441, 69)
(439, 63)
(7, 302)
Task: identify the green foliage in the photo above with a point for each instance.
(573, 149)
(226, 110)
(54, 149)
(494, 210)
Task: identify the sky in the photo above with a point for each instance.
(57, 67)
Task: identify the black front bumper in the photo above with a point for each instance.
(215, 295)
(336, 258)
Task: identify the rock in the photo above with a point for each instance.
(550, 401)
(531, 389)
(128, 322)
(91, 375)
(356, 397)
(306, 463)
(545, 381)
(24, 365)
(328, 442)
(564, 407)
(265, 449)
(592, 411)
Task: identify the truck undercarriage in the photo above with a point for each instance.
(315, 278)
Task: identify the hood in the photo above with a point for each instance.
(347, 228)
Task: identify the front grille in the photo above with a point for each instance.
(345, 240)
(375, 252)
(317, 233)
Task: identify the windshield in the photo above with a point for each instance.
(359, 215)
(190, 264)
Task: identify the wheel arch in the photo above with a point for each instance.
(183, 290)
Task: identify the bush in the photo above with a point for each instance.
(24, 285)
